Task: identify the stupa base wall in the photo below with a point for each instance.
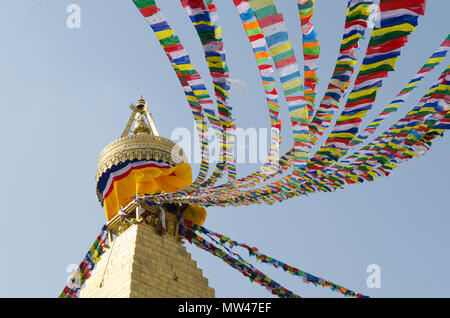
(142, 263)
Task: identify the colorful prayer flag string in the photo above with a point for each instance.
(325, 171)
(87, 265)
(398, 21)
(308, 278)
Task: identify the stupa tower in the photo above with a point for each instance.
(143, 260)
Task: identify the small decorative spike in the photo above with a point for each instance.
(141, 103)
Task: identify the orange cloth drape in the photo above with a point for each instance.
(149, 180)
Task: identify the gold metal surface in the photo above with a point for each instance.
(149, 215)
(143, 144)
(140, 111)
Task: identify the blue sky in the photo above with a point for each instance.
(65, 96)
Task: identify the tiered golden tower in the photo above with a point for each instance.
(141, 260)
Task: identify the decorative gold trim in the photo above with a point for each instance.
(140, 146)
(150, 216)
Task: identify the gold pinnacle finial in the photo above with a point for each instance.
(141, 103)
(139, 112)
(141, 126)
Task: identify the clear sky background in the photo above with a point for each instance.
(64, 95)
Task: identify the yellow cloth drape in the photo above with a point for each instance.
(195, 213)
(149, 180)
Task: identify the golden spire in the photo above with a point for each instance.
(141, 103)
(142, 143)
(137, 116)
